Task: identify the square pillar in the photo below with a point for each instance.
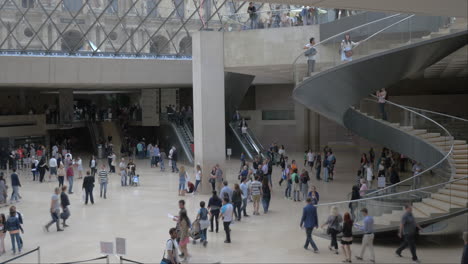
(66, 106)
(208, 102)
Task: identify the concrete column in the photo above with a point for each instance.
(66, 106)
(301, 114)
(208, 102)
(314, 131)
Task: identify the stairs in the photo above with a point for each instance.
(447, 192)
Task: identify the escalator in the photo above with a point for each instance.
(250, 144)
(112, 130)
(180, 135)
(95, 135)
(339, 92)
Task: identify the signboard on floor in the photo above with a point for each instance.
(107, 248)
(120, 246)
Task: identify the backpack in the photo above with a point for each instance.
(305, 179)
(310, 52)
(203, 214)
(296, 179)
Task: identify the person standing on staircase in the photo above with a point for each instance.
(382, 98)
(408, 231)
(310, 54)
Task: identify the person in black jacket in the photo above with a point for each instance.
(394, 177)
(354, 196)
(88, 185)
(42, 166)
(64, 202)
(15, 184)
(214, 205)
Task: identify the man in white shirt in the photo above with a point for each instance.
(311, 57)
(310, 159)
(170, 254)
(52, 167)
(226, 213)
(123, 172)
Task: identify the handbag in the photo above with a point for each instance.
(348, 53)
(330, 228)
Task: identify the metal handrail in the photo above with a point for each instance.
(392, 194)
(431, 167)
(438, 113)
(339, 34)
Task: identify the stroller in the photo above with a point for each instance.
(195, 231)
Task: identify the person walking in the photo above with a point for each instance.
(93, 165)
(334, 227)
(318, 166)
(123, 172)
(245, 194)
(237, 201)
(173, 159)
(296, 185)
(70, 176)
(219, 179)
(256, 192)
(408, 231)
(227, 212)
(304, 183)
(368, 237)
(103, 180)
(88, 185)
(15, 184)
(310, 53)
(79, 167)
(61, 174)
(52, 167)
(309, 221)
(226, 191)
(42, 169)
(184, 226)
(170, 255)
(347, 238)
(13, 226)
(355, 195)
(464, 259)
(3, 190)
(202, 217)
(266, 195)
(64, 202)
(2, 234)
(182, 181)
(214, 206)
(198, 178)
(54, 211)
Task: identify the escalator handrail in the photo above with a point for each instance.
(294, 64)
(446, 156)
(232, 125)
(255, 140)
(392, 194)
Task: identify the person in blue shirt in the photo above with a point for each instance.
(310, 221)
(227, 212)
(368, 238)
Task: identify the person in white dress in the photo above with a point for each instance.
(347, 46)
(79, 166)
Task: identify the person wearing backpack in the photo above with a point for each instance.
(170, 253)
(310, 54)
(304, 183)
(202, 216)
(334, 227)
(13, 226)
(296, 185)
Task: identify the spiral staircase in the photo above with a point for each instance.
(340, 91)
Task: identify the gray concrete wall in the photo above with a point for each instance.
(71, 72)
(266, 47)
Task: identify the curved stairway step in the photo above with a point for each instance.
(462, 202)
(454, 192)
(441, 205)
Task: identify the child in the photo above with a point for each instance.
(202, 216)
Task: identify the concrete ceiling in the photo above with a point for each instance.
(454, 8)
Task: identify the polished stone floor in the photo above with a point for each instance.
(139, 214)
